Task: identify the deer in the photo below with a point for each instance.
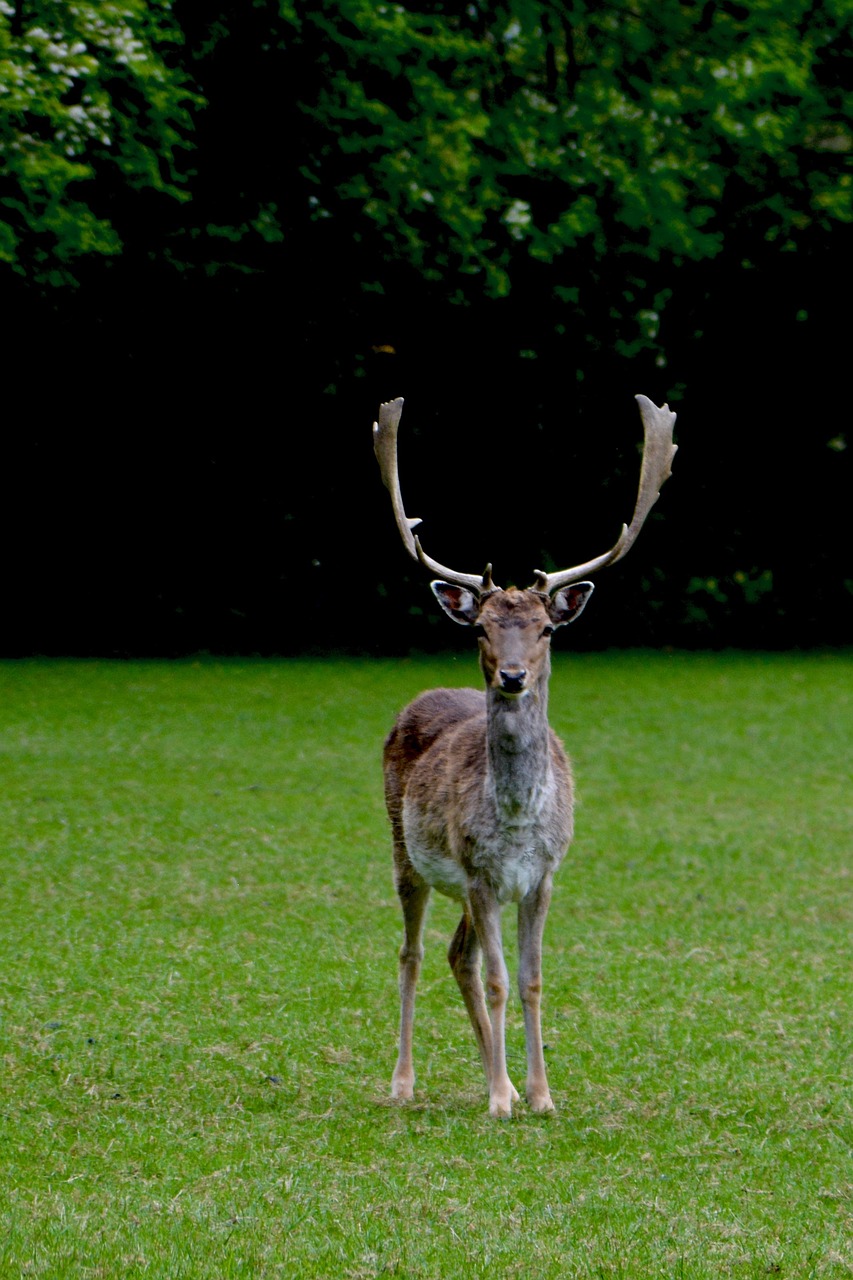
(478, 787)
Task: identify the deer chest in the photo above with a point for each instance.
(511, 854)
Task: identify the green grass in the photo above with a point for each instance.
(198, 940)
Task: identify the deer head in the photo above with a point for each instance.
(515, 629)
(512, 619)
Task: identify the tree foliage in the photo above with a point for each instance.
(91, 113)
(466, 138)
(473, 141)
(280, 214)
(555, 128)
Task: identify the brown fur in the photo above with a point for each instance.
(479, 793)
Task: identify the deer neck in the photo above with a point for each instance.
(518, 749)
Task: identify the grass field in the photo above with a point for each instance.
(198, 940)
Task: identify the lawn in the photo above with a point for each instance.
(198, 1008)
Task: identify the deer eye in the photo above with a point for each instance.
(546, 631)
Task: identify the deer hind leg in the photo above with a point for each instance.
(414, 896)
(486, 916)
(465, 956)
(532, 911)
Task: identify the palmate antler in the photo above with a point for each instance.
(658, 453)
(385, 448)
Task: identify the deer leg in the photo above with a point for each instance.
(464, 956)
(413, 899)
(486, 915)
(532, 911)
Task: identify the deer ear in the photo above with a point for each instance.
(568, 603)
(458, 603)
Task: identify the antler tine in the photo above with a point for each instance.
(385, 448)
(658, 453)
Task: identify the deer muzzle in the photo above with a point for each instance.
(512, 679)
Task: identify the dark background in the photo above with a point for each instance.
(187, 461)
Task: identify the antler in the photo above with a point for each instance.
(385, 448)
(658, 453)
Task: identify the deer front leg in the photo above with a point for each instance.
(413, 899)
(532, 912)
(486, 915)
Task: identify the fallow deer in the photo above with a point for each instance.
(478, 786)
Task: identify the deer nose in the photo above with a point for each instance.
(512, 678)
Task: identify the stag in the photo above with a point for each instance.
(478, 786)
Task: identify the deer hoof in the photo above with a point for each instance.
(541, 1105)
(402, 1087)
(500, 1102)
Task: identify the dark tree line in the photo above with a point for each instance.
(262, 220)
